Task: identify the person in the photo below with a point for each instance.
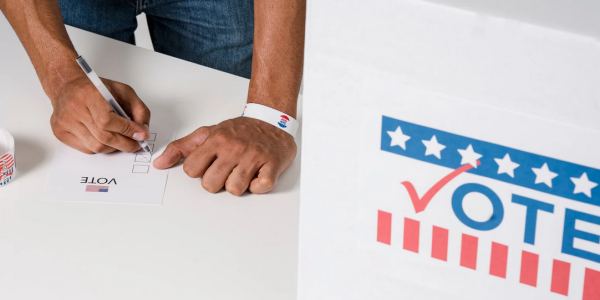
(262, 40)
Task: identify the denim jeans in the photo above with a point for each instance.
(215, 33)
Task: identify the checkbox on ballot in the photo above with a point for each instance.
(140, 169)
(143, 157)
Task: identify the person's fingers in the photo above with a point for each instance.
(181, 148)
(266, 179)
(97, 125)
(102, 117)
(112, 122)
(88, 140)
(117, 141)
(214, 178)
(132, 104)
(199, 161)
(72, 141)
(239, 179)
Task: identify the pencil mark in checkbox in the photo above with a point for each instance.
(140, 169)
(144, 151)
(152, 137)
(143, 157)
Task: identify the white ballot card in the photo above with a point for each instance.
(111, 178)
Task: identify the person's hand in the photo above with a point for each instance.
(240, 154)
(83, 120)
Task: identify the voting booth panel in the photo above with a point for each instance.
(447, 155)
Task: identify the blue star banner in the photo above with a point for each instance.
(513, 166)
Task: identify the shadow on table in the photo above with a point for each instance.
(28, 154)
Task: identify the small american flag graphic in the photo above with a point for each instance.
(96, 188)
(7, 167)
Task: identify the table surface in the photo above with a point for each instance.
(196, 245)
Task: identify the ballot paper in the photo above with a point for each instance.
(111, 178)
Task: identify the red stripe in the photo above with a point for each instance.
(3, 156)
(411, 235)
(591, 285)
(499, 260)
(529, 268)
(384, 227)
(560, 277)
(439, 247)
(468, 251)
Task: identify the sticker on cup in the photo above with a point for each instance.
(7, 157)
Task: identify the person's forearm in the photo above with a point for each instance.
(278, 55)
(39, 26)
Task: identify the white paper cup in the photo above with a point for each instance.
(7, 158)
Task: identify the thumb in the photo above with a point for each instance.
(181, 148)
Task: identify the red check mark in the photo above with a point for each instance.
(421, 204)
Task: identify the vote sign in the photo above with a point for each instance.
(524, 224)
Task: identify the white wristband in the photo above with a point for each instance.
(274, 117)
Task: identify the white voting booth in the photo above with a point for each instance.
(448, 154)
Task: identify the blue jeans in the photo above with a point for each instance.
(214, 33)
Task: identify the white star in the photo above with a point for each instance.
(469, 156)
(398, 138)
(506, 165)
(433, 147)
(583, 185)
(544, 175)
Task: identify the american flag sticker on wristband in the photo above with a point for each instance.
(271, 116)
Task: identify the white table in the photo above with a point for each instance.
(196, 245)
